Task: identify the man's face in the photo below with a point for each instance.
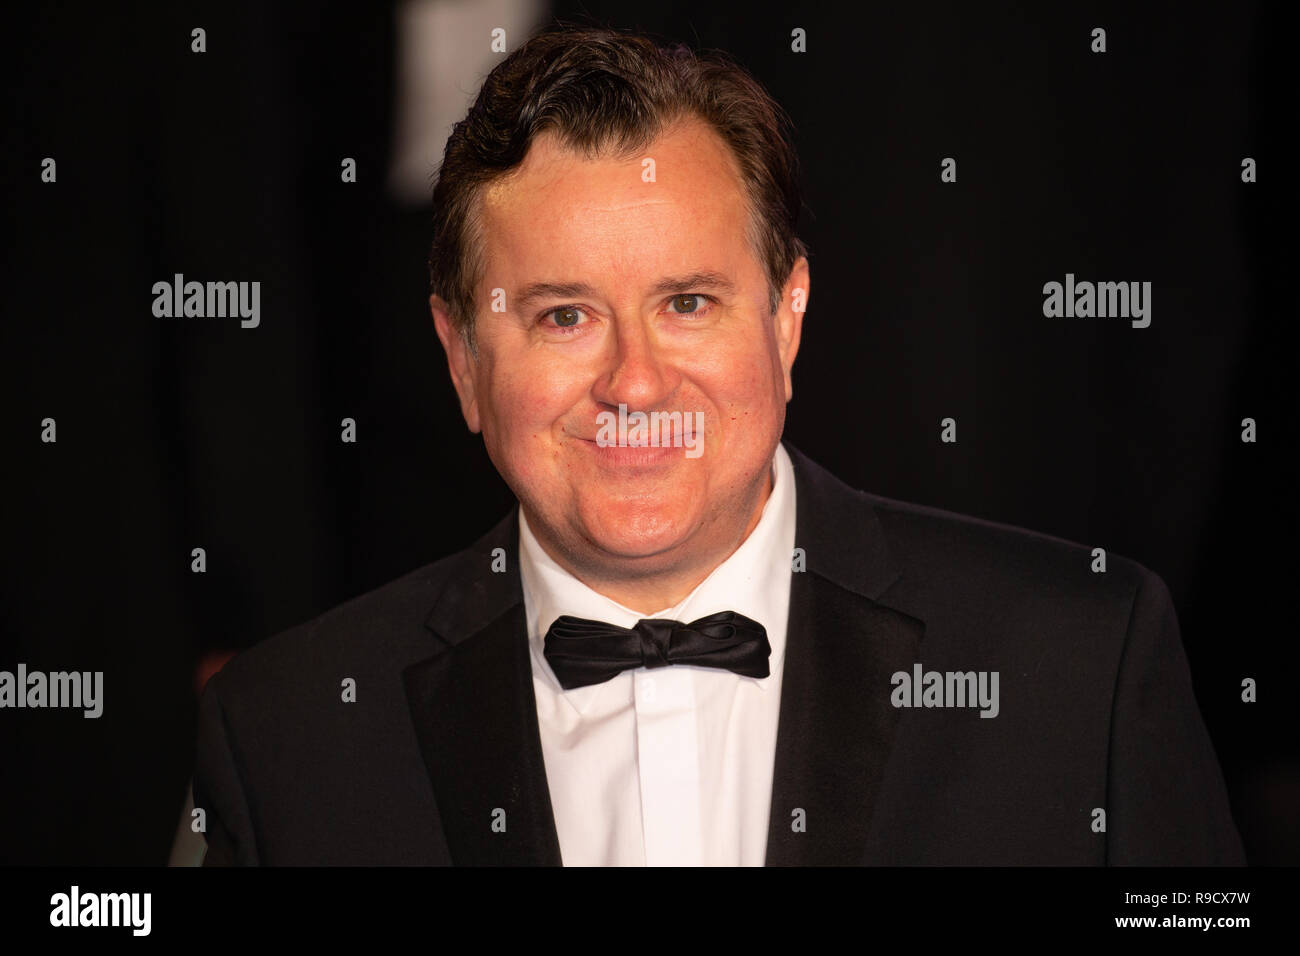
(634, 329)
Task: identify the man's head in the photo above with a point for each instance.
(614, 226)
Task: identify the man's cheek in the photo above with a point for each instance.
(523, 428)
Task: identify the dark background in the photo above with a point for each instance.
(175, 434)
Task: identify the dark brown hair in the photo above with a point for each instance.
(603, 90)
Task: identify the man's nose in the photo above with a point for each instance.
(638, 373)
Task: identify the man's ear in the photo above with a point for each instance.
(460, 362)
(789, 318)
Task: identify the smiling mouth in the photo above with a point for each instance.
(630, 455)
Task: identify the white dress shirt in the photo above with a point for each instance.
(670, 766)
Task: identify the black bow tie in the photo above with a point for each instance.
(583, 652)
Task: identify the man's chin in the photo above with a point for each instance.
(639, 538)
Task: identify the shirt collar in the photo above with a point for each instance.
(754, 581)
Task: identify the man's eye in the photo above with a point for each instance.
(687, 304)
(565, 317)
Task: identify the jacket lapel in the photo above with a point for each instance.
(836, 727)
(475, 716)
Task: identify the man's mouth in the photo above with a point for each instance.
(629, 455)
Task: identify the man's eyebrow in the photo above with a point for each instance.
(691, 281)
(551, 290)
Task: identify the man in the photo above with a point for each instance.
(690, 644)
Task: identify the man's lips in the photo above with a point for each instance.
(627, 444)
(629, 455)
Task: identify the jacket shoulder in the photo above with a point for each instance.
(938, 555)
(940, 545)
(381, 629)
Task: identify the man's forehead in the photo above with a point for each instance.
(564, 218)
(686, 157)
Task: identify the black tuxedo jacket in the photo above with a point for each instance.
(441, 747)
